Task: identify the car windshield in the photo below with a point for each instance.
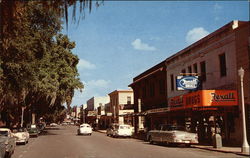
(172, 128)
(3, 133)
(124, 127)
(20, 130)
(85, 126)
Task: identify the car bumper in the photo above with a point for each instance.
(20, 140)
(84, 132)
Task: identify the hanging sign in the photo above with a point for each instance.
(187, 82)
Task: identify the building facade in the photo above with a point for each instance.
(215, 59)
(121, 105)
(92, 110)
(150, 88)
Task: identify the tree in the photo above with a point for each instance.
(38, 69)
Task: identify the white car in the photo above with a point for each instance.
(7, 137)
(22, 135)
(84, 129)
(171, 134)
(120, 130)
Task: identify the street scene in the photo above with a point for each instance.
(63, 142)
(124, 79)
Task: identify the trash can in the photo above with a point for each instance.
(217, 141)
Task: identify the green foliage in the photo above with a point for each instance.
(38, 69)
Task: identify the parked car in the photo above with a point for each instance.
(53, 124)
(2, 148)
(7, 137)
(120, 130)
(33, 132)
(171, 134)
(84, 129)
(22, 135)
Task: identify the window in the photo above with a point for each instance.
(190, 70)
(144, 91)
(128, 100)
(161, 86)
(195, 68)
(172, 82)
(203, 71)
(223, 68)
(152, 89)
(183, 72)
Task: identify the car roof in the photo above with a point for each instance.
(4, 129)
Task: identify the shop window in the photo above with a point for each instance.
(223, 68)
(172, 82)
(203, 71)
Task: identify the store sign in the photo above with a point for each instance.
(187, 82)
(204, 99)
(176, 103)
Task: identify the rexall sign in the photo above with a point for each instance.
(187, 82)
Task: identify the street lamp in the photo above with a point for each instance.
(245, 145)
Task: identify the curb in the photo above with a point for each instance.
(211, 149)
(204, 148)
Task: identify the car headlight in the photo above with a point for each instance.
(6, 142)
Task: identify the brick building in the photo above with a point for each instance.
(216, 59)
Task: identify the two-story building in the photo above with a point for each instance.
(151, 88)
(215, 105)
(121, 106)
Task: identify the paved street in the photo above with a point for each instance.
(62, 142)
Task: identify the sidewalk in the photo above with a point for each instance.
(235, 150)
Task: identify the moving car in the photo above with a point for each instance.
(172, 134)
(120, 130)
(84, 129)
(7, 137)
(22, 135)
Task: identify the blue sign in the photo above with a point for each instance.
(187, 82)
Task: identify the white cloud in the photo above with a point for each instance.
(98, 83)
(195, 34)
(84, 64)
(139, 45)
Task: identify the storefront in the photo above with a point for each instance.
(205, 112)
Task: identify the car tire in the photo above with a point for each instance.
(151, 140)
(7, 155)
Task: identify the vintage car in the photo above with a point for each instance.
(33, 130)
(172, 134)
(7, 137)
(84, 129)
(22, 135)
(120, 130)
(2, 148)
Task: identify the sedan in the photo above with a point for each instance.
(9, 141)
(84, 129)
(172, 134)
(2, 148)
(33, 132)
(22, 135)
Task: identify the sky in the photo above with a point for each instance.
(121, 39)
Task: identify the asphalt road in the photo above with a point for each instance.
(62, 142)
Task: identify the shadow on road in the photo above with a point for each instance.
(53, 128)
(45, 133)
